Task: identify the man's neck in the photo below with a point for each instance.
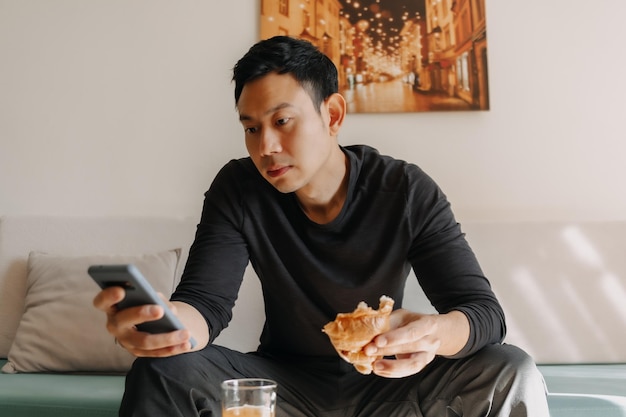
(325, 204)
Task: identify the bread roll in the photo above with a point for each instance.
(350, 332)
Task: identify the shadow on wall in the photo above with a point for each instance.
(562, 286)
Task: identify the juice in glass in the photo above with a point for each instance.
(249, 397)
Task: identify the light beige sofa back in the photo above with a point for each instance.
(562, 285)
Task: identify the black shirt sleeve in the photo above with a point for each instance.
(218, 256)
(446, 266)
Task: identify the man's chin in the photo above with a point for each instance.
(282, 186)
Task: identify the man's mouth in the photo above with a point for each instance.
(277, 171)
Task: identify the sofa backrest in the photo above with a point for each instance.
(19, 235)
(562, 286)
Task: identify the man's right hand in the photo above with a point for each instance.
(121, 324)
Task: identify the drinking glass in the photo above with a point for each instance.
(249, 397)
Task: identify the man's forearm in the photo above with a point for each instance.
(453, 329)
(194, 322)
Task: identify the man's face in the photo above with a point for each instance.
(288, 140)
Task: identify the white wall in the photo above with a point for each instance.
(125, 108)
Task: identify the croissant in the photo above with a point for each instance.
(350, 332)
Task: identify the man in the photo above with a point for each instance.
(324, 227)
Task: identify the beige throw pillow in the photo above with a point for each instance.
(60, 330)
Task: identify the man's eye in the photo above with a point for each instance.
(282, 121)
(250, 129)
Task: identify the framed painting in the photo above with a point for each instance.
(394, 55)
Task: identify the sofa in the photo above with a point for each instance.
(562, 285)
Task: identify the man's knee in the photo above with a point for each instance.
(185, 364)
(518, 384)
(512, 360)
(183, 384)
(169, 366)
(515, 387)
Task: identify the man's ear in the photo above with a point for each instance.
(337, 108)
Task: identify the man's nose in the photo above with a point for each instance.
(269, 143)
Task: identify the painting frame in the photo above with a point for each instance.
(394, 56)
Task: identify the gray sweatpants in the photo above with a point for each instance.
(499, 380)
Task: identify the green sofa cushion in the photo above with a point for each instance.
(586, 390)
(60, 395)
(606, 379)
(586, 405)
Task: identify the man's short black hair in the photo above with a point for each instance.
(312, 69)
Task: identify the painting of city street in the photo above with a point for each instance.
(394, 55)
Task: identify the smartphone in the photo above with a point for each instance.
(138, 292)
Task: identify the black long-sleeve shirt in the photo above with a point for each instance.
(395, 217)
